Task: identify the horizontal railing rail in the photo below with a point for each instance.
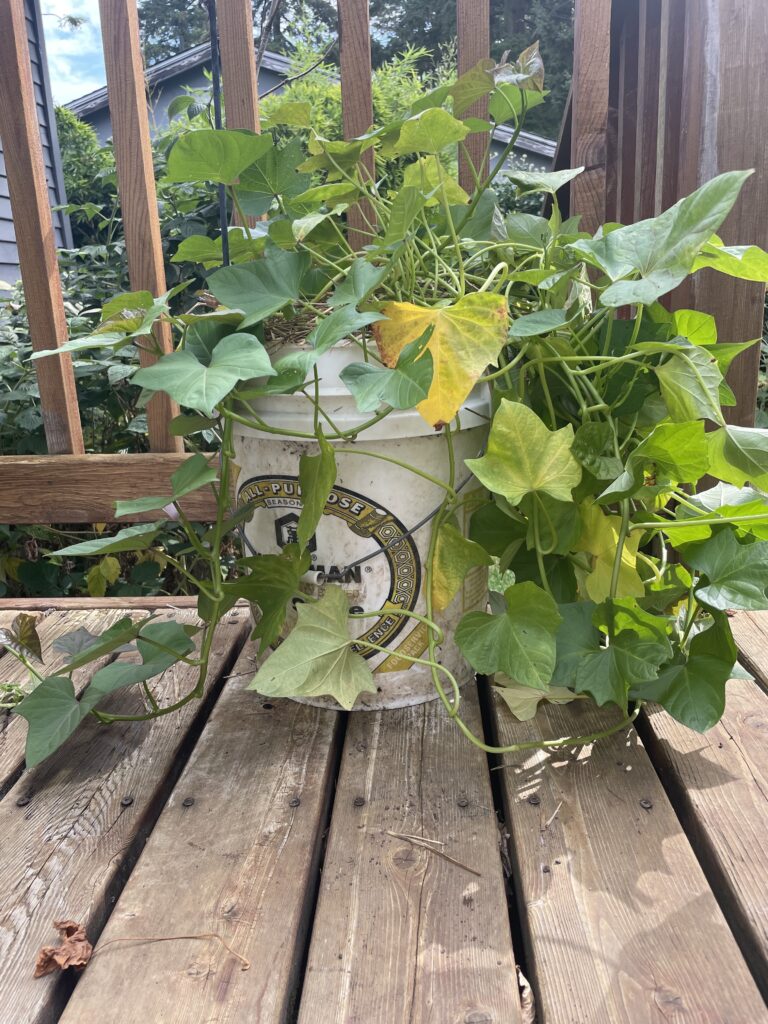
(665, 94)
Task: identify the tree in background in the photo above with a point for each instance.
(514, 25)
(169, 27)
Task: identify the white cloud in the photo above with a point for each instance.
(75, 56)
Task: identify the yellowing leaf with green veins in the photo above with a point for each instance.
(748, 262)
(525, 457)
(427, 176)
(22, 636)
(524, 702)
(455, 555)
(101, 575)
(599, 537)
(698, 328)
(316, 658)
(466, 337)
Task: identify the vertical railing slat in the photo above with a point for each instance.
(357, 99)
(627, 148)
(591, 73)
(648, 73)
(725, 127)
(672, 71)
(238, 61)
(473, 30)
(136, 184)
(35, 239)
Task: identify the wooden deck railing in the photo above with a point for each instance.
(666, 93)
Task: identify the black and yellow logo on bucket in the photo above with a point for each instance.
(358, 543)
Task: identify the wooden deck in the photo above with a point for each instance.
(627, 884)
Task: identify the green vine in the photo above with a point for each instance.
(612, 570)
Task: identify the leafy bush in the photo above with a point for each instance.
(88, 169)
(111, 407)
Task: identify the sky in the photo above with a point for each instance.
(75, 57)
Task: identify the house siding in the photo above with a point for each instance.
(9, 261)
(161, 94)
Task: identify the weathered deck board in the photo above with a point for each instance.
(13, 730)
(66, 853)
(241, 862)
(750, 630)
(401, 935)
(718, 784)
(620, 922)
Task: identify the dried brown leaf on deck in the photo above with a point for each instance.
(74, 950)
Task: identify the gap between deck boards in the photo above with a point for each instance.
(43, 1000)
(691, 814)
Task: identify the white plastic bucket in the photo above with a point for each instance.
(364, 541)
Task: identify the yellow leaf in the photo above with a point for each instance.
(9, 568)
(523, 701)
(97, 585)
(455, 555)
(426, 175)
(466, 337)
(599, 537)
(110, 568)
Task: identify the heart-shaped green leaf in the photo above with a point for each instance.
(316, 658)
(272, 581)
(659, 253)
(215, 155)
(53, 713)
(429, 132)
(197, 386)
(402, 387)
(520, 643)
(455, 555)
(692, 688)
(263, 287)
(524, 457)
(737, 574)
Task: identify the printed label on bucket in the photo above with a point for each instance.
(373, 558)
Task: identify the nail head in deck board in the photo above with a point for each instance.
(400, 934)
(136, 184)
(718, 784)
(35, 238)
(13, 729)
(626, 929)
(248, 875)
(66, 856)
